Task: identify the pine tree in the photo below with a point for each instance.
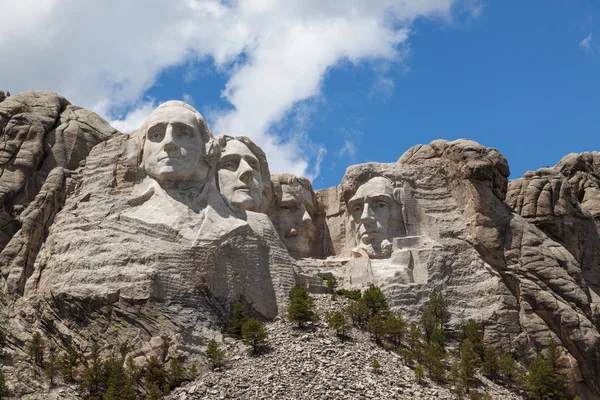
(134, 374)
(538, 378)
(558, 380)
(93, 377)
(2, 338)
(3, 387)
(468, 363)
(545, 377)
(154, 393)
(435, 315)
(238, 318)
(155, 374)
(254, 334)
(338, 323)
(36, 349)
(509, 370)
(375, 301)
(51, 367)
(472, 330)
(433, 358)
(395, 328)
(214, 354)
(300, 308)
(419, 373)
(176, 374)
(376, 366)
(491, 363)
(115, 377)
(375, 326)
(359, 313)
(414, 341)
(68, 363)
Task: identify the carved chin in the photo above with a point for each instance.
(244, 201)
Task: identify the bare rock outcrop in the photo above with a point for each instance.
(41, 136)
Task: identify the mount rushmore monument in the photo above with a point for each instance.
(157, 233)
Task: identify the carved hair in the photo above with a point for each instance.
(212, 148)
(290, 179)
(265, 174)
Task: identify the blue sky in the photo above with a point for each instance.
(523, 77)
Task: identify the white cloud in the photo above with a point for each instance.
(347, 150)
(135, 118)
(106, 55)
(586, 44)
(188, 99)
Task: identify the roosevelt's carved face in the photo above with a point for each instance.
(240, 179)
(174, 148)
(294, 223)
(371, 213)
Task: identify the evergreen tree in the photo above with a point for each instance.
(36, 349)
(155, 374)
(176, 374)
(471, 330)
(376, 366)
(134, 374)
(2, 337)
(433, 359)
(154, 393)
(359, 313)
(51, 367)
(375, 326)
(375, 301)
(435, 315)
(491, 363)
(254, 334)
(414, 341)
(509, 370)
(93, 377)
(214, 354)
(337, 322)
(545, 377)
(3, 387)
(115, 378)
(238, 318)
(468, 363)
(300, 308)
(395, 328)
(68, 363)
(419, 373)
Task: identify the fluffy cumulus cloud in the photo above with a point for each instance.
(105, 55)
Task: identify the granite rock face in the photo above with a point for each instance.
(148, 239)
(42, 138)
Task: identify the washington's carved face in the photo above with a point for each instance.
(174, 148)
(295, 225)
(371, 212)
(240, 179)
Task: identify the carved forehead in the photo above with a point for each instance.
(295, 193)
(174, 113)
(236, 147)
(374, 187)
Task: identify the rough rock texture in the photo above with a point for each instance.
(492, 264)
(315, 364)
(39, 131)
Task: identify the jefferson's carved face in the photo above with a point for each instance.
(295, 225)
(371, 212)
(174, 148)
(240, 179)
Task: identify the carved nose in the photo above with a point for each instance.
(245, 171)
(367, 215)
(306, 219)
(169, 142)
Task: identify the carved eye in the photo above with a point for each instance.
(382, 204)
(291, 208)
(356, 208)
(229, 165)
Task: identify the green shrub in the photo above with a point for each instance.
(214, 354)
(300, 308)
(254, 334)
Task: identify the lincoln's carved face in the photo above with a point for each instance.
(371, 215)
(294, 222)
(240, 179)
(174, 148)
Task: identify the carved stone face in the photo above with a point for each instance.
(240, 178)
(294, 223)
(174, 148)
(371, 213)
